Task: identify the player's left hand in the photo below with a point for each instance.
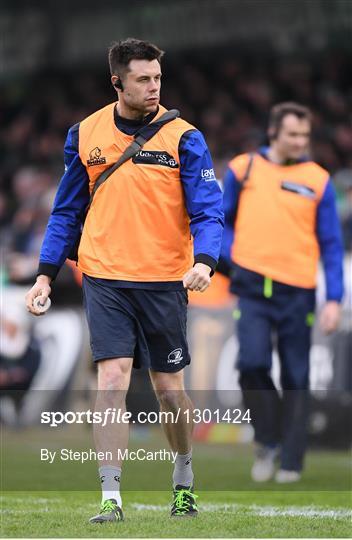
(197, 278)
(330, 316)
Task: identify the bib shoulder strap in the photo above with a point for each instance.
(140, 138)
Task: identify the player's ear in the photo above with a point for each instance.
(117, 83)
(272, 133)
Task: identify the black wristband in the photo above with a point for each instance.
(206, 259)
(47, 269)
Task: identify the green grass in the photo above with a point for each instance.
(222, 514)
(39, 499)
(218, 467)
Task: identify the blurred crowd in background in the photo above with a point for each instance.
(225, 93)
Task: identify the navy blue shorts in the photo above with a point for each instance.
(291, 317)
(146, 325)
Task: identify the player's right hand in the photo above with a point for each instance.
(40, 288)
(330, 317)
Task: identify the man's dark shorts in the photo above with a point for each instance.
(146, 325)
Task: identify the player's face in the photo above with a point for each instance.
(293, 138)
(141, 86)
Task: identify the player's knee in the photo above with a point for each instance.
(114, 374)
(170, 399)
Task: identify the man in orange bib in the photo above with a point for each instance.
(280, 217)
(152, 231)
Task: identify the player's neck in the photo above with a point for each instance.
(276, 156)
(129, 113)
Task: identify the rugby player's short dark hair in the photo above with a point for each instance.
(122, 52)
(281, 110)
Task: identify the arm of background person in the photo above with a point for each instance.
(331, 249)
(232, 188)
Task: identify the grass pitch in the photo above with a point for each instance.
(230, 504)
(222, 514)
